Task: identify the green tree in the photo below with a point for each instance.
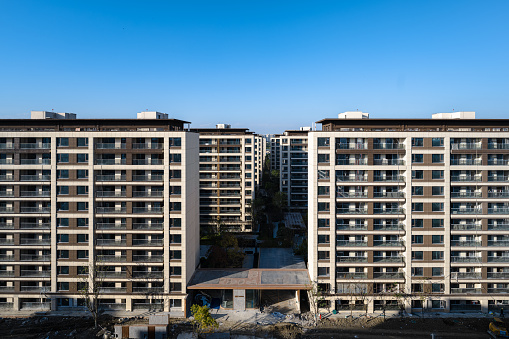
(203, 321)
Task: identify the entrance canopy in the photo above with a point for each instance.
(250, 279)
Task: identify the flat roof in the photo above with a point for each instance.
(250, 279)
(280, 258)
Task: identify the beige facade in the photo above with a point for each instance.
(411, 213)
(119, 194)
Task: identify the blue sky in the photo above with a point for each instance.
(263, 65)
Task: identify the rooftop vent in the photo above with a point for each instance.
(51, 115)
(223, 126)
(454, 115)
(152, 115)
(353, 115)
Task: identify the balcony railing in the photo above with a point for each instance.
(498, 275)
(4, 209)
(466, 227)
(33, 177)
(148, 194)
(384, 145)
(147, 258)
(466, 259)
(498, 210)
(107, 306)
(6, 226)
(147, 178)
(388, 227)
(352, 178)
(348, 227)
(151, 290)
(112, 290)
(35, 161)
(35, 194)
(465, 275)
(42, 209)
(502, 194)
(394, 195)
(498, 146)
(36, 305)
(147, 146)
(34, 273)
(455, 146)
(466, 210)
(497, 162)
(466, 194)
(349, 162)
(112, 274)
(143, 226)
(466, 243)
(498, 178)
(6, 178)
(110, 146)
(112, 258)
(110, 209)
(466, 178)
(147, 209)
(110, 226)
(111, 178)
(466, 290)
(390, 243)
(35, 145)
(389, 162)
(35, 241)
(110, 161)
(389, 259)
(466, 162)
(347, 243)
(147, 275)
(351, 145)
(4, 241)
(502, 227)
(110, 194)
(351, 259)
(110, 242)
(352, 211)
(388, 275)
(498, 243)
(146, 242)
(397, 178)
(147, 161)
(341, 275)
(389, 211)
(352, 194)
(498, 259)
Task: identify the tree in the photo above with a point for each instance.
(90, 288)
(203, 321)
(316, 299)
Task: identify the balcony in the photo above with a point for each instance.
(341, 275)
(6, 177)
(147, 258)
(498, 290)
(110, 210)
(35, 145)
(4, 257)
(388, 227)
(388, 275)
(148, 210)
(111, 307)
(148, 194)
(466, 227)
(466, 243)
(146, 242)
(35, 161)
(397, 178)
(143, 226)
(34, 273)
(389, 162)
(384, 145)
(351, 259)
(389, 211)
(390, 195)
(466, 290)
(110, 161)
(498, 259)
(147, 177)
(497, 146)
(464, 162)
(110, 242)
(148, 306)
(498, 162)
(352, 194)
(466, 210)
(32, 177)
(498, 275)
(147, 146)
(466, 178)
(347, 243)
(467, 259)
(147, 162)
(4, 273)
(455, 146)
(148, 275)
(348, 227)
(33, 194)
(351, 162)
(110, 226)
(32, 242)
(351, 145)
(498, 243)
(6, 226)
(110, 178)
(112, 274)
(4, 241)
(110, 194)
(499, 210)
(352, 178)
(41, 209)
(112, 290)
(352, 211)
(6, 161)
(389, 259)
(6, 145)
(390, 243)
(498, 178)
(501, 227)
(466, 194)
(466, 275)
(110, 146)
(500, 194)
(112, 258)
(36, 305)
(6, 209)
(149, 290)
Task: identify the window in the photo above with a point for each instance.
(175, 142)
(417, 207)
(176, 255)
(323, 142)
(437, 223)
(62, 270)
(323, 271)
(62, 142)
(63, 206)
(82, 270)
(437, 158)
(248, 166)
(175, 174)
(417, 255)
(437, 271)
(82, 190)
(417, 223)
(248, 158)
(322, 175)
(82, 238)
(417, 158)
(175, 287)
(437, 288)
(62, 158)
(62, 190)
(82, 158)
(323, 190)
(62, 174)
(176, 157)
(437, 174)
(82, 174)
(63, 254)
(63, 286)
(82, 222)
(324, 223)
(175, 222)
(437, 239)
(437, 142)
(437, 190)
(417, 271)
(438, 304)
(417, 239)
(323, 255)
(417, 142)
(417, 190)
(323, 158)
(417, 288)
(82, 206)
(175, 239)
(175, 206)
(324, 239)
(437, 206)
(175, 270)
(62, 222)
(82, 142)
(82, 254)
(323, 207)
(62, 238)
(437, 255)
(417, 174)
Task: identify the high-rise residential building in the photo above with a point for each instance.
(293, 168)
(229, 174)
(275, 152)
(109, 202)
(412, 212)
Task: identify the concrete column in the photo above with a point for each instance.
(128, 304)
(54, 303)
(484, 305)
(297, 300)
(15, 303)
(371, 306)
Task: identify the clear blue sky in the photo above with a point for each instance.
(263, 65)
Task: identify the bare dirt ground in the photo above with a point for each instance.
(51, 327)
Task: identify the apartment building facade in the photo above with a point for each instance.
(230, 171)
(291, 150)
(410, 212)
(109, 202)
